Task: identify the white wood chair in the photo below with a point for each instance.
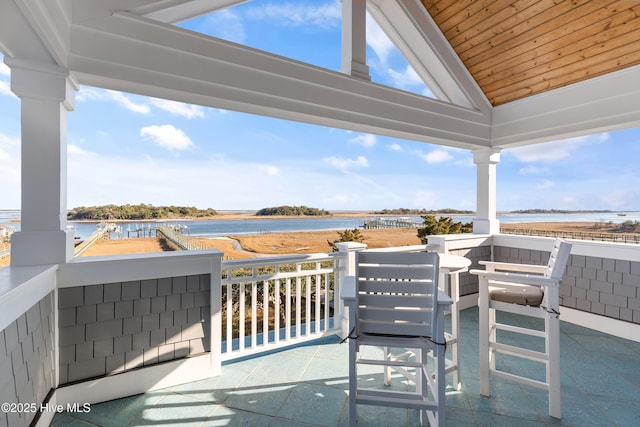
(527, 290)
(394, 302)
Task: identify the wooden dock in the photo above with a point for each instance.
(382, 223)
(633, 238)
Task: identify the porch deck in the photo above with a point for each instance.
(307, 386)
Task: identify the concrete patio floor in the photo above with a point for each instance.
(307, 386)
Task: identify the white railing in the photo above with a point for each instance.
(269, 303)
(177, 238)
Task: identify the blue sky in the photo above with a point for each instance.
(125, 148)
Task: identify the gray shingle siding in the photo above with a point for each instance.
(468, 282)
(598, 285)
(26, 357)
(111, 328)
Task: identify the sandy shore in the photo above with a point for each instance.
(253, 246)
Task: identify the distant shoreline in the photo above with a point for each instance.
(251, 216)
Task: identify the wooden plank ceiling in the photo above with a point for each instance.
(519, 48)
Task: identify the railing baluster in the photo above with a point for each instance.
(242, 310)
(318, 296)
(298, 304)
(229, 345)
(265, 312)
(284, 282)
(307, 307)
(254, 313)
(276, 311)
(287, 311)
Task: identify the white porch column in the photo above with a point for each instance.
(354, 39)
(46, 95)
(486, 219)
(346, 280)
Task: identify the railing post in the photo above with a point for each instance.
(346, 268)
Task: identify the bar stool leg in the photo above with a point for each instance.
(454, 282)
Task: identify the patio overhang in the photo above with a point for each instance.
(135, 47)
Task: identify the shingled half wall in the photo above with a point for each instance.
(594, 284)
(26, 363)
(110, 328)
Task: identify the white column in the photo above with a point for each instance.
(354, 39)
(346, 281)
(46, 95)
(486, 220)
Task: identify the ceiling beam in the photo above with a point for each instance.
(601, 104)
(139, 55)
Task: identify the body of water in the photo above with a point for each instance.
(218, 228)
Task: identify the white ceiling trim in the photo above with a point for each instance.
(604, 103)
(160, 60)
(17, 36)
(174, 11)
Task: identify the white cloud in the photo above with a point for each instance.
(365, 139)
(344, 164)
(556, 150)
(5, 89)
(405, 79)
(618, 199)
(167, 136)
(9, 142)
(338, 200)
(532, 170)
(172, 107)
(227, 25)
(178, 108)
(395, 147)
(4, 156)
(426, 199)
(326, 15)
(9, 171)
(466, 161)
(89, 94)
(437, 156)
(93, 94)
(570, 202)
(235, 184)
(378, 41)
(124, 101)
(240, 183)
(269, 170)
(73, 149)
(546, 185)
(427, 92)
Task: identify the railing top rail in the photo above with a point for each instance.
(279, 259)
(272, 276)
(410, 248)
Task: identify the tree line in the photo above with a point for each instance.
(292, 211)
(136, 212)
(406, 211)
